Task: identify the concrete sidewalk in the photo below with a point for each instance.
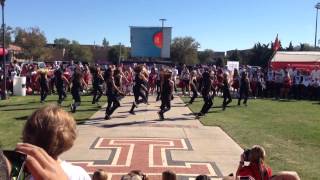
(127, 142)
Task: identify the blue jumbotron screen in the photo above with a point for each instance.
(150, 41)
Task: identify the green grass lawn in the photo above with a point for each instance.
(289, 131)
(15, 111)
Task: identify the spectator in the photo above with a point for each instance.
(256, 168)
(175, 74)
(54, 130)
(169, 175)
(185, 77)
(40, 164)
(203, 177)
(135, 175)
(287, 83)
(100, 175)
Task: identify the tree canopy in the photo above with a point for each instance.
(32, 40)
(185, 50)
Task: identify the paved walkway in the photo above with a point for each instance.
(129, 142)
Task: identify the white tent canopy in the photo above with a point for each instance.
(296, 56)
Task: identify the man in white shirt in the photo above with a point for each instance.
(175, 73)
(315, 73)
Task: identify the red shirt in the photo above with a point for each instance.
(253, 171)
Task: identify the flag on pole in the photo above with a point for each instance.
(276, 44)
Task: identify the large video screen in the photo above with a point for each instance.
(150, 41)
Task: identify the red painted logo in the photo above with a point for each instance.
(158, 39)
(151, 155)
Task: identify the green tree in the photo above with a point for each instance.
(206, 56)
(220, 62)
(61, 43)
(235, 56)
(79, 53)
(260, 55)
(306, 47)
(290, 47)
(32, 40)
(105, 43)
(114, 53)
(8, 33)
(185, 50)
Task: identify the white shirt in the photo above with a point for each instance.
(270, 75)
(74, 172)
(174, 73)
(290, 71)
(315, 74)
(306, 81)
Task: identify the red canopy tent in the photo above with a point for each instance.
(304, 60)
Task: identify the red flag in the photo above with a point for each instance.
(276, 44)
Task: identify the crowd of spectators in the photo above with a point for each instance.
(286, 83)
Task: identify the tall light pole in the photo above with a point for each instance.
(119, 60)
(4, 90)
(317, 6)
(162, 27)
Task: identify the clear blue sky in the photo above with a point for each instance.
(216, 24)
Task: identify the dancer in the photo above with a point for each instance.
(77, 84)
(145, 83)
(244, 88)
(193, 85)
(166, 94)
(118, 80)
(159, 82)
(112, 93)
(139, 89)
(42, 78)
(97, 83)
(60, 80)
(206, 87)
(226, 92)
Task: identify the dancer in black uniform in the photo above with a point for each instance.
(193, 85)
(244, 89)
(118, 77)
(226, 92)
(43, 82)
(146, 75)
(138, 89)
(77, 84)
(112, 93)
(59, 81)
(206, 87)
(97, 82)
(159, 82)
(166, 94)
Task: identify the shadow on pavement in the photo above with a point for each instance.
(139, 110)
(126, 124)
